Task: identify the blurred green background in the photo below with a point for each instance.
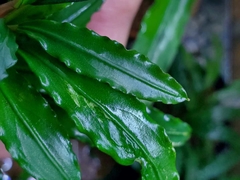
(198, 43)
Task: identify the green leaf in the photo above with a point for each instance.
(39, 2)
(225, 134)
(213, 66)
(8, 48)
(32, 134)
(69, 125)
(221, 164)
(108, 61)
(162, 30)
(20, 3)
(29, 12)
(179, 132)
(229, 96)
(78, 13)
(118, 124)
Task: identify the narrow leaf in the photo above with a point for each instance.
(32, 134)
(213, 65)
(78, 13)
(117, 123)
(229, 96)
(40, 2)
(8, 48)
(20, 3)
(179, 132)
(162, 30)
(221, 164)
(30, 13)
(108, 61)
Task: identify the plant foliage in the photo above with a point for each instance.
(162, 30)
(95, 80)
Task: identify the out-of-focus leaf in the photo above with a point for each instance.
(78, 13)
(229, 96)
(187, 71)
(213, 66)
(162, 30)
(191, 162)
(30, 12)
(221, 164)
(219, 113)
(20, 3)
(193, 70)
(225, 134)
(204, 119)
(105, 60)
(230, 177)
(117, 123)
(8, 48)
(178, 132)
(31, 132)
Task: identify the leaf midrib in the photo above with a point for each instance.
(36, 136)
(105, 109)
(73, 44)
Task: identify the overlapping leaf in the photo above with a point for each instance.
(20, 3)
(221, 164)
(117, 123)
(162, 30)
(108, 61)
(8, 48)
(29, 12)
(178, 132)
(31, 132)
(55, 1)
(78, 13)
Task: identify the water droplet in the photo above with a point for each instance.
(78, 70)
(67, 62)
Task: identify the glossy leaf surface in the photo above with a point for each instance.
(30, 12)
(39, 2)
(78, 13)
(108, 61)
(162, 30)
(32, 134)
(8, 48)
(178, 131)
(117, 123)
(42, 2)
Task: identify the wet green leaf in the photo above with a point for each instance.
(78, 13)
(39, 2)
(20, 3)
(8, 48)
(32, 134)
(108, 61)
(162, 30)
(178, 131)
(30, 12)
(117, 123)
